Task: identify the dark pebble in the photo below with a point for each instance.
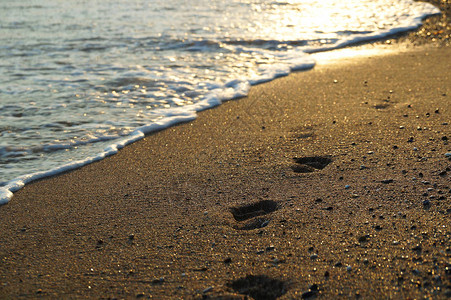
(313, 287)
(158, 280)
(417, 248)
(228, 260)
(386, 181)
(426, 202)
(270, 248)
(308, 294)
(363, 238)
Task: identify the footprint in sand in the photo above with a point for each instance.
(249, 216)
(259, 287)
(310, 163)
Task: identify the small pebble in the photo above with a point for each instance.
(363, 238)
(417, 248)
(159, 280)
(308, 294)
(270, 248)
(347, 186)
(313, 287)
(314, 256)
(349, 268)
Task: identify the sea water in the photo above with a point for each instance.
(80, 79)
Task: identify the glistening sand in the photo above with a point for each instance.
(372, 223)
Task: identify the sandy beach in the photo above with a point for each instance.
(331, 183)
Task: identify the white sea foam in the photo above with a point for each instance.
(76, 101)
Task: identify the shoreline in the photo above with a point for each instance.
(166, 222)
(15, 184)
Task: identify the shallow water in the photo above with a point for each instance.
(77, 76)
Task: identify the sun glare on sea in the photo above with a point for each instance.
(297, 20)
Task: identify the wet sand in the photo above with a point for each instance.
(332, 182)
